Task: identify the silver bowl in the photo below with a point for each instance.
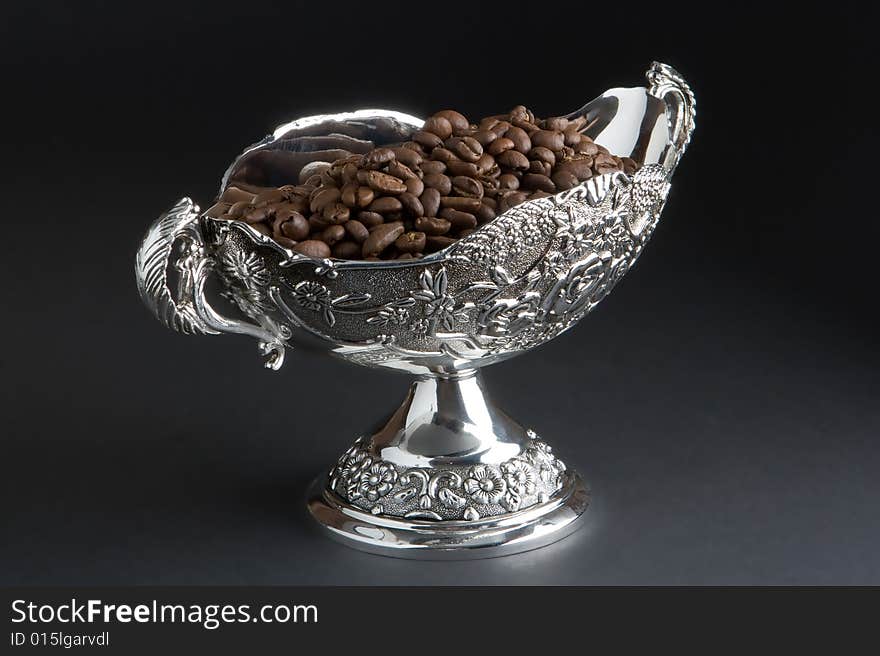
(449, 475)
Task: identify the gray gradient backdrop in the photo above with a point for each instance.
(722, 402)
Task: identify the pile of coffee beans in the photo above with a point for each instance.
(403, 201)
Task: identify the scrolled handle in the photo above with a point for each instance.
(668, 85)
(188, 311)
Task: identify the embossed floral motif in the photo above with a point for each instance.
(519, 476)
(394, 313)
(440, 308)
(541, 456)
(244, 266)
(485, 484)
(377, 481)
(311, 295)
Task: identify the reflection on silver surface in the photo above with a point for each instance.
(448, 471)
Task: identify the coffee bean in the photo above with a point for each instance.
(346, 250)
(571, 136)
(381, 237)
(508, 181)
(312, 168)
(407, 157)
(365, 196)
(439, 182)
(439, 125)
(629, 165)
(333, 234)
(357, 230)
(349, 194)
(401, 171)
(370, 219)
(543, 154)
(336, 213)
(237, 210)
(431, 166)
(485, 212)
(323, 196)
(295, 227)
(385, 183)
(564, 179)
(444, 155)
(415, 186)
(431, 225)
(262, 228)
(458, 121)
(377, 157)
(234, 195)
(430, 199)
(459, 167)
(580, 167)
(500, 145)
(538, 181)
(460, 203)
(486, 165)
(586, 146)
(313, 248)
(467, 148)
(411, 204)
(459, 220)
(556, 123)
(411, 242)
(427, 139)
(466, 186)
(513, 159)
(520, 138)
(349, 173)
(256, 214)
(284, 241)
(542, 168)
(549, 139)
(385, 204)
(485, 137)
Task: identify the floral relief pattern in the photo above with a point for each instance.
(379, 487)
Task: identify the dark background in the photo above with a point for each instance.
(723, 402)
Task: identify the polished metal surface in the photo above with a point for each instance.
(514, 284)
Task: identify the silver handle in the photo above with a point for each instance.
(188, 311)
(668, 85)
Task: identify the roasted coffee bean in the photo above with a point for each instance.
(501, 127)
(401, 171)
(381, 237)
(460, 167)
(234, 195)
(218, 209)
(520, 138)
(237, 210)
(513, 159)
(314, 181)
(459, 220)
(295, 227)
(365, 196)
(385, 204)
(581, 167)
(434, 244)
(369, 219)
(284, 241)
(377, 157)
(522, 113)
(407, 157)
(508, 181)
(556, 123)
(629, 165)
(586, 146)
(427, 139)
(486, 165)
(415, 186)
(346, 250)
(564, 179)
(439, 182)
(444, 155)
(410, 242)
(485, 137)
(257, 214)
(317, 222)
(603, 163)
(485, 212)
(385, 183)
(463, 185)
(323, 196)
(312, 168)
(333, 234)
(438, 125)
(458, 121)
(460, 203)
(571, 136)
(542, 168)
(430, 199)
(431, 225)
(432, 166)
(349, 194)
(336, 213)
(549, 139)
(500, 145)
(357, 230)
(537, 181)
(467, 148)
(313, 248)
(411, 204)
(542, 154)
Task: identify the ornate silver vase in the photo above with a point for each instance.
(449, 475)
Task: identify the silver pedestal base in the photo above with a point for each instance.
(500, 535)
